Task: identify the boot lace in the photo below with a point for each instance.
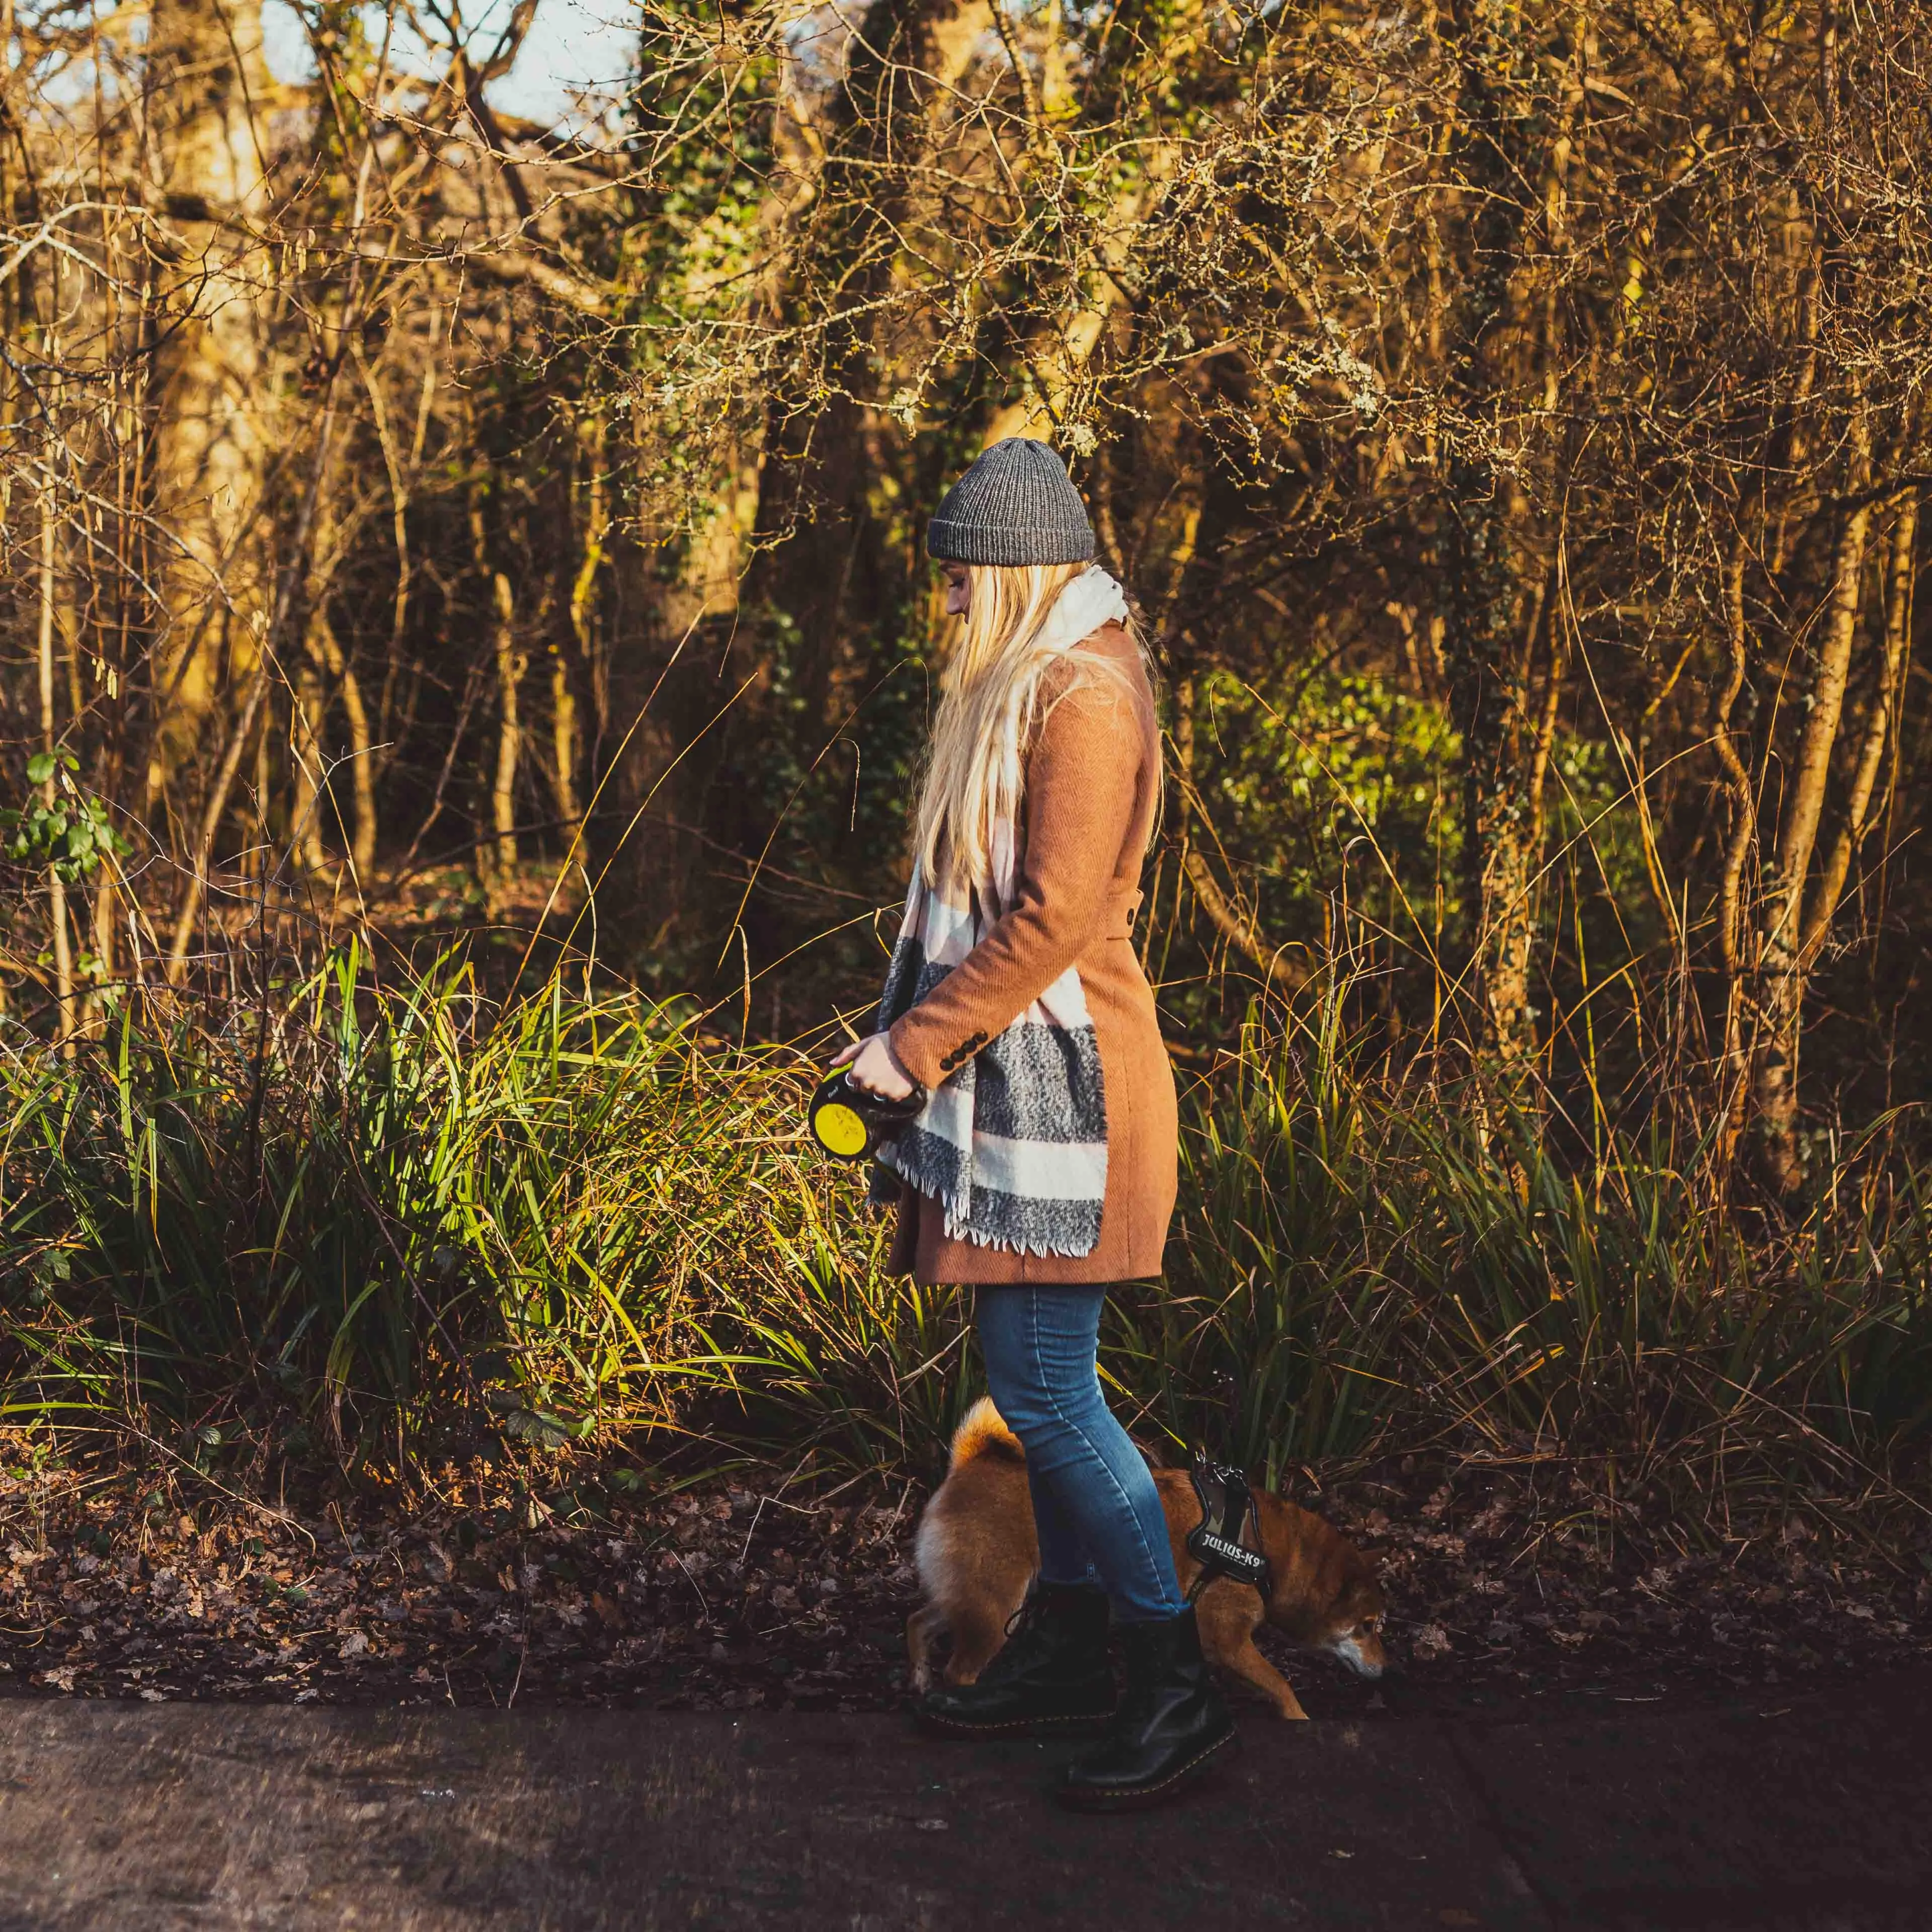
(1015, 1655)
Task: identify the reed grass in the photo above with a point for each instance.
(370, 1220)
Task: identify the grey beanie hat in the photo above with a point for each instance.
(1016, 505)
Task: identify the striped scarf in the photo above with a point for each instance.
(1014, 1145)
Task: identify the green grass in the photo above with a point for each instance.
(379, 1217)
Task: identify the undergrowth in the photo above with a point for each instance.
(375, 1224)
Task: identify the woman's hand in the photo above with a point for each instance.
(875, 1067)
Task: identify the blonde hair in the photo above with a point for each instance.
(989, 712)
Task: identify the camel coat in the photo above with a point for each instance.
(1092, 791)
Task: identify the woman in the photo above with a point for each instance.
(1042, 1169)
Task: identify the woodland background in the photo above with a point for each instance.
(465, 639)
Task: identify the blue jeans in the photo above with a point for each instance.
(1094, 1503)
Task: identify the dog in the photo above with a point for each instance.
(976, 1553)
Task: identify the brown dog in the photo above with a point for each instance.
(976, 1553)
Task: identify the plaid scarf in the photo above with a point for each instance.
(1014, 1145)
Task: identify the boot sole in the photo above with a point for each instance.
(1141, 1797)
(1013, 1727)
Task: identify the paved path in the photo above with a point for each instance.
(1811, 1811)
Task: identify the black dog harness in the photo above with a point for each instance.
(1227, 1511)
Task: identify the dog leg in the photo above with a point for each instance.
(1228, 1621)
(923, 1629)
(977, 1638)
(1248, 1664)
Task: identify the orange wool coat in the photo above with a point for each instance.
(1092, 793)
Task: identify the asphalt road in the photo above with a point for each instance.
(1812, 1811)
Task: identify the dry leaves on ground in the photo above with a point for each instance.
(743, 1593)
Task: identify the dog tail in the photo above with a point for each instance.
(984, 1433)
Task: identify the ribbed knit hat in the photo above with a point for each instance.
(1016, 505)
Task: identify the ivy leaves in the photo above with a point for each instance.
(71, 834)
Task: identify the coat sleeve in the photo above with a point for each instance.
(1080, 781)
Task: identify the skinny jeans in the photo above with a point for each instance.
(1095, 1506)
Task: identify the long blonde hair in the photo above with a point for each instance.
(988, 711)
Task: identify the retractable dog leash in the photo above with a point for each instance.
(1228, 1515)
(849, 1123)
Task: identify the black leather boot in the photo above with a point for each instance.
(1052, 1676)
(1171, 1721)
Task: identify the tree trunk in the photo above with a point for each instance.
(1873, 739)
(567, 735)
(362, 758)
(1735, 1070)
(305, 728)
(210, 440)
(584, 592)
(106, 890)
(63, 950)
(501, 854)
(1506, 345)
(509, 730)
(1782, 998)
(720, 545)
(1489, 697)
(241, 730)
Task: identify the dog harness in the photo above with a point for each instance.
(1227, 1511)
